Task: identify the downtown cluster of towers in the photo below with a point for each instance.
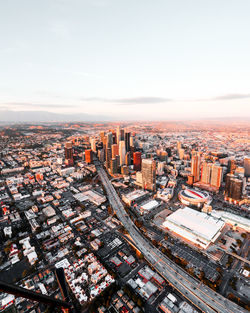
(117, 150)
(209, 176)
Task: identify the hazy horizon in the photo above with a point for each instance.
(126, 60)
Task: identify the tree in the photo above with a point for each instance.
(24, 273)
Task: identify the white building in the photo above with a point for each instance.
(148, 206)
(197, 227)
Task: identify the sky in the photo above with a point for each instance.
(126, 59)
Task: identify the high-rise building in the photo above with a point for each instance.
(237, 189)
(206, 172)
(195, 165)
(127, 141)
(122, 152)
(115, 150)
(93, 144)
(132, 141)
(247, 166)
(69, 154)
(108, 157)
(88, 156)
(137, 161)
(181, 153)
(128, 159)
(114, 136)
(148, 174)
(216, 175)
(113, 166)
(231, 166)
(122, 134)
(117, 157)
(233, 187)
(102, 135)
(118, 135)
(228, 183)
(109, 139)
(101, 155)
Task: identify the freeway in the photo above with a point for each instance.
(197, 293)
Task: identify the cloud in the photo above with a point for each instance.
(34, 105)
(130, 101)
(59, 29)
(232, 97)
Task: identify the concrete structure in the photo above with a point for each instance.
(247, 166)
(194, 197)
(137, 161)
(115, 150)
(122, 152)
(127, 141)
(132, 197)
(89, 156)
(68, 154)
(206, 172)
(233, 187)
(233, 219)
(195, 165)
(148, 206)
(216, 176)
(148, 174)
(197, 227)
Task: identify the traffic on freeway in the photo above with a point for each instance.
(197, 293)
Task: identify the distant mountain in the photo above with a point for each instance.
(44, 116)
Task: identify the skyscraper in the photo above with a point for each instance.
(127, 159)
(206, 172)
(88, 156)
(69, 154)
(137, 161)
(181, 153)
(117, 162)
(113, 166)
(109, 139)
(115, 150)
(195, 165)
(118, 135)
(216, 176)
(108, 157)
(148, 174)
(247, 166)
(231, 166)
(132, 143)
(122, 134)
(233, 187)
(102, 135)
(122, 152)
(93, 144)
(127, 141)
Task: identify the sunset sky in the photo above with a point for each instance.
(163, 59)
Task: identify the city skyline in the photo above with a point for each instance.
(117, 60)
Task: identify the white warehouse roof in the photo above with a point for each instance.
(149, 205)
(195, 226)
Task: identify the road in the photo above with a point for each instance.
(197, 293)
